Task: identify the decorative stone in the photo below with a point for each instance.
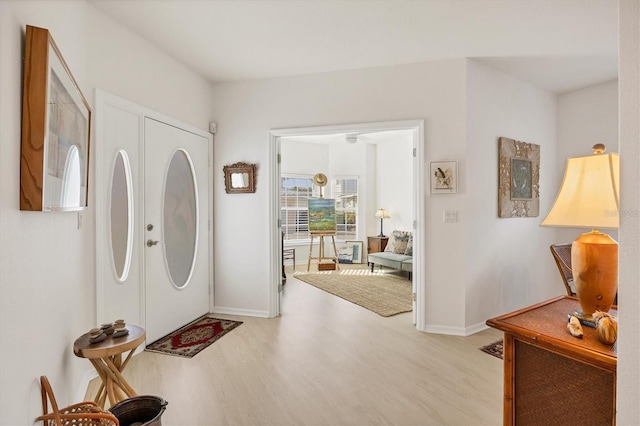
(120, 333)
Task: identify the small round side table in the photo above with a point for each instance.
(106, 357)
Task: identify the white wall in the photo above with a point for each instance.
(508, 263)
(628, 385)
(304, 158)
(47, 264)
(394, 184)
(351, 160)
(432, 91)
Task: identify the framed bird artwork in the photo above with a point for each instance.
(444, 177)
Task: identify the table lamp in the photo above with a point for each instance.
(589, 198)
(382, 214)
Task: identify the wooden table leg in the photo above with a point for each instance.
(119, 379)
(335, 252)
(310, 253)
(101, 396)
(508, 353)
(114, 387)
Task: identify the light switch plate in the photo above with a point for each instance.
(450, 216)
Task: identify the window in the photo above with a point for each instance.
(345, 192)
(295, 190)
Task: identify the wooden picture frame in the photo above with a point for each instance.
(444, 177)
(519, 179)
(240, 178)
(357, 250)
(56, 127)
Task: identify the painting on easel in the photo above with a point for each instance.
(322, 215)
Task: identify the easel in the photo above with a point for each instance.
(333, 265)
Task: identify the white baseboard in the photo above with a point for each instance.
(455, 331)
(438, 329)
(240, 312)
(476, 328)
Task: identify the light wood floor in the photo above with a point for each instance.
(326, 361)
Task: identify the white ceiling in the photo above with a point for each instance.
(560, 45)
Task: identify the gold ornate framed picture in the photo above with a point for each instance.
(519, 179)
(240, 178)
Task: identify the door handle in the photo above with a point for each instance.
(151, 242)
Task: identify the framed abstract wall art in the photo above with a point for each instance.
(56, 118)
(519, 179)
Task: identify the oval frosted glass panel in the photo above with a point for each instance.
(121, 219)
(70, 196)
(180, 216)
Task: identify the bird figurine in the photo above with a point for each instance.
(574, 327)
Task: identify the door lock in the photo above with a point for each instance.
(151, 242)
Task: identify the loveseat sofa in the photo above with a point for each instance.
(397, 255)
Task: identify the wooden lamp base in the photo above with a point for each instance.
(594, 260)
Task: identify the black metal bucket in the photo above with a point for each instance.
(143, 410)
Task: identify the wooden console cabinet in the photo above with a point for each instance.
(376, 244)
(551, 377)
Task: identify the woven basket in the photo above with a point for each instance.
(84, 413)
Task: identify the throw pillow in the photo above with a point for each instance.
(398, 241)
(409, 250)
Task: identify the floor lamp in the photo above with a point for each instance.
(589, 198)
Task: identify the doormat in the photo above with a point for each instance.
(494, 349)
(189, 340)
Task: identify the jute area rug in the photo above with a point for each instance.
(189, 340)
(386, 294)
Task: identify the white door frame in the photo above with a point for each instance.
(419, 273)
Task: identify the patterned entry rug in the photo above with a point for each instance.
(383, 293)
(194, 337)
(494, 349)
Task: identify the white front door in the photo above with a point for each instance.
(175, 227)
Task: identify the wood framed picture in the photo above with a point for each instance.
(444, 177)
(345, 254)
(56, 120)
(356, 250)
(519, 179)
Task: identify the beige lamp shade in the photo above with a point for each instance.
(382, 214)
(589, 195)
